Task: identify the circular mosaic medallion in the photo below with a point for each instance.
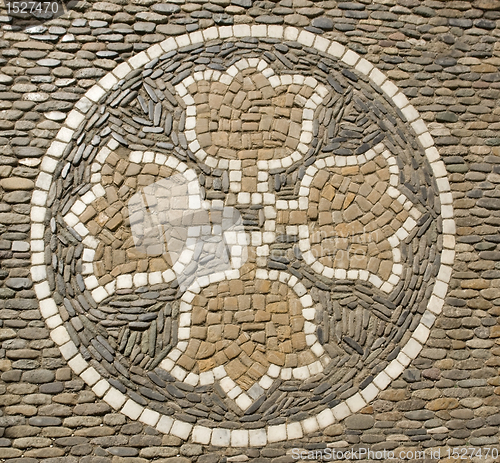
(242, 235)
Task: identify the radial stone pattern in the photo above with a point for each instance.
(242, 235)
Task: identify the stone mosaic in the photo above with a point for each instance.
(329, 215)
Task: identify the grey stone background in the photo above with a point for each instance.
(445, 55)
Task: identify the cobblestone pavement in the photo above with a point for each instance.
(234, 228)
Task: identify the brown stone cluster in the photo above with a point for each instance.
(248, 119)
(107, 218)
(246, 326)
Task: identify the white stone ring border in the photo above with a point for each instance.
(218, 436)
